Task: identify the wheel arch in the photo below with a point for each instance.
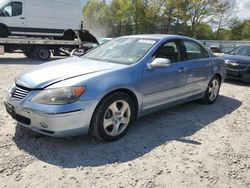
(127, 91)
(5, 27)
(71, 31)
(219, 75)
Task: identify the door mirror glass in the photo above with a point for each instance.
(159, 63)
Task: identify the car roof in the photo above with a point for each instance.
(159, 36)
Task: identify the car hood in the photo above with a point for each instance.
(238, 58)
(41, 76)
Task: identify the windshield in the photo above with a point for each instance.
(125, 50)
(243, 50)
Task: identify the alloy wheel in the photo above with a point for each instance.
(213, 89)
(117, 118)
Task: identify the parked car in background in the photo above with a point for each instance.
(216, 50)
(238, 63)
(103, 91)
(49, 18)
(83, 48)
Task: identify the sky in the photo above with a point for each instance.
(242, 7)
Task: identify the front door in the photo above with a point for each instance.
(165, 85)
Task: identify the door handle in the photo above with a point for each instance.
(22, 18)
(182, 69)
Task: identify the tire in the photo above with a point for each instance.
(212, 91)
(69, 35)
(117, 122)
(41, 53)
(4, 32)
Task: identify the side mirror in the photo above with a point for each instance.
(159, 63)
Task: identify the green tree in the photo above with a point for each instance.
(186, 17)
(223, 15)
(246, 30)
(97, 17)
(121, 20)
(236, 29)
(204, 31)
(191, 13)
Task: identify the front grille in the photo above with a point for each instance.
(237, 67)
(20, 93)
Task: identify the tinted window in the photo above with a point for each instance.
(12, 9)
(169, 51)
(194, 50)
(243, 50)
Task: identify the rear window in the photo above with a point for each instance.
(194, 50)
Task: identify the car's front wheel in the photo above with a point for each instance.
(112, 118)
(212, 91)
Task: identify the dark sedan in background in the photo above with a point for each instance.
(238, 64)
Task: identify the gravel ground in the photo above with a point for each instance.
(191, 145)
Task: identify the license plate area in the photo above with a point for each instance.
(10, 109)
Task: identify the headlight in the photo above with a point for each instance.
(59, 96)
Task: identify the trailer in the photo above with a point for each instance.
(42, 48)
(38, 48)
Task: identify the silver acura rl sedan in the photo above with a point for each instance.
(101, 92)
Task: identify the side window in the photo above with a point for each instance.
(17, 8)
(169, 51)
(12, 9)
(195, 51)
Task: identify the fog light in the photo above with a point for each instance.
(44, 125)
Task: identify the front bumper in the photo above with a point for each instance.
(53, 120)
(238, 74)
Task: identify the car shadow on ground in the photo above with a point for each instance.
(146, 134)
(24, 61)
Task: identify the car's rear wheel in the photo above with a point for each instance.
(212, 91)
(112, 117)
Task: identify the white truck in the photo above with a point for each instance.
(39, 27)
(53, 18)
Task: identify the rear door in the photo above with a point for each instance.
(198, 66)
(13, 16)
